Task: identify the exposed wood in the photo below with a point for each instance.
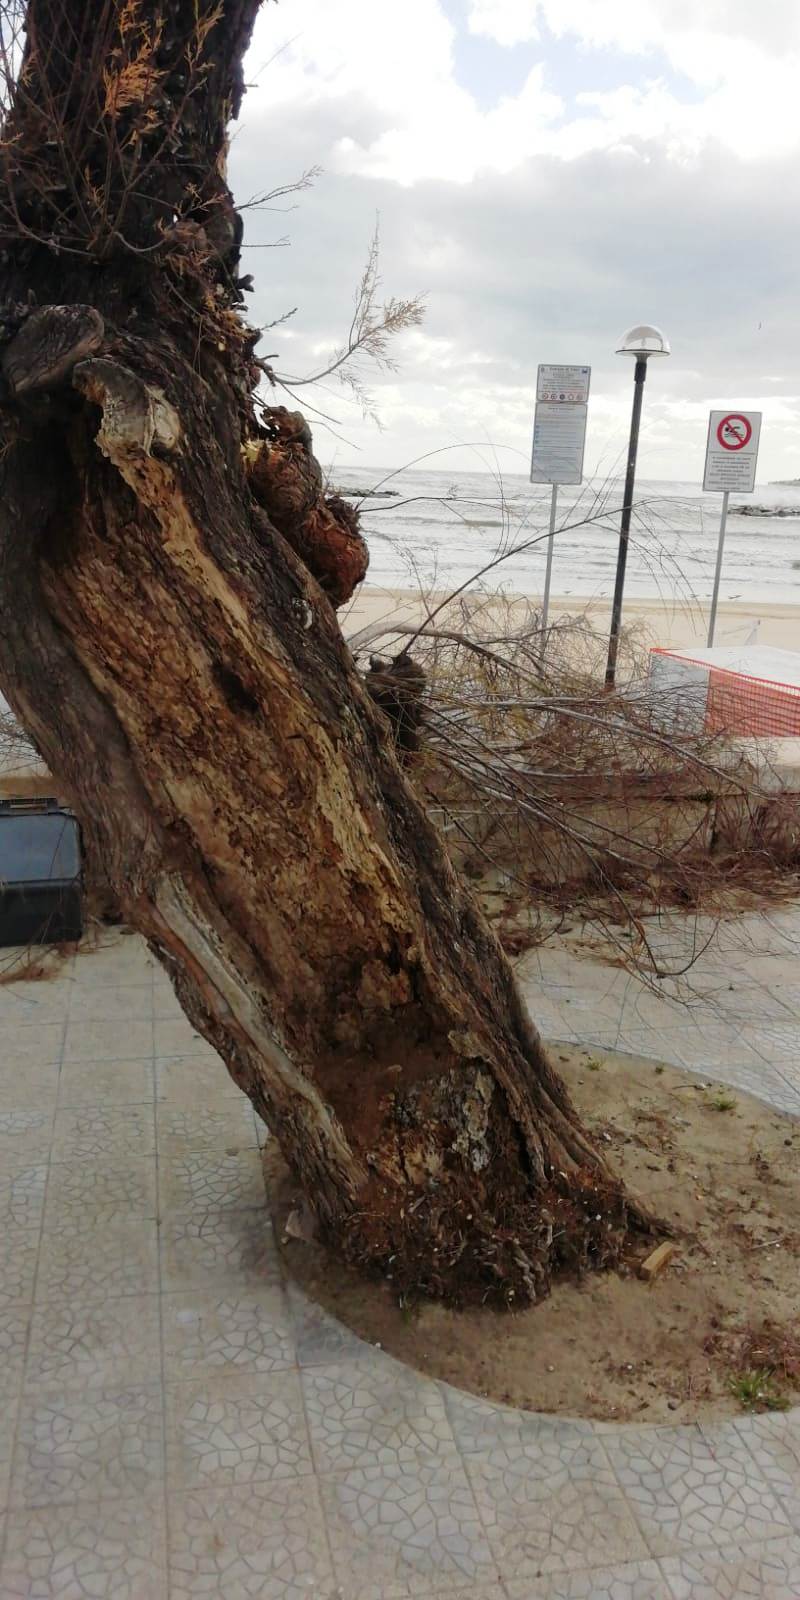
(657, 1260)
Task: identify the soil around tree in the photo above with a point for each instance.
(717, 1330)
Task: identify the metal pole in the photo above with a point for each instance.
(718, 574)
(548, 572)
(625, 525)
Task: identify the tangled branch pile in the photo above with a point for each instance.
(559, 797)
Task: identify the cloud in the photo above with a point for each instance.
(539, 231)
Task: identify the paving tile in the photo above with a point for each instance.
(90, 1263)
(319, 1338)
(175, 1036)
(685, 1490)
(93, 1347)
(236, 1431)
(754, 1572)
(73, 1448)
(27, 1085)
(193, 1081)
(111, 1550)
(19, 1249)
(122, 1186)
(637, 1580)
(373, 1413)
(400, 1531)
(15, 1321)
(106, 1041)
(123, 959)
(106, 1083)
(218, 1335)
(231, 1249)
(207, 1180)
(166, 1005)
(504, 1436)
(555, 1508)
(774, 1443)
(32, 1044)
(266, 1544)
(89, 1133)
(22, 1191)
(25, 1136)
(112, 1002)
(45, 1000)
(225, 1129)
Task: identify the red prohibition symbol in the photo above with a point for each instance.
(734, 432)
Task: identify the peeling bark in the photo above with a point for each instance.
(179, 666)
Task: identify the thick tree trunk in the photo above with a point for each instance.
(182, 672)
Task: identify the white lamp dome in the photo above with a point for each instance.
(644, 340)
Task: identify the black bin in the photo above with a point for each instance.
(40, 873)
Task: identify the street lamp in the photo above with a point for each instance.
(640, 342)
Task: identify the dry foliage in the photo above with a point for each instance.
(561, 799)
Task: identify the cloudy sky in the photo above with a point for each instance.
(547, 172)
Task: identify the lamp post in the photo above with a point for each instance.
(640, 342)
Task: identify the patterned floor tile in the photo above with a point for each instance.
(193, 1081)
(218, 1335)
(93, 1347)
(72, 1448)
(684, 1490)
(27, 1086)
(122, 1186)
(231, 1249)
(555, 1509)
(89, 1264)
(211, 1180)
(774, 1443)
(321, 1339)
(15, 1321)
(638, 1580)
(114, 1550)
(403, 1531)
(112, 1002)
(22, 1191)
(175, 1036)
(754, 1572)
(218, 1130)
(31, 1045)
(106, 1083)
(372, 1414)
(237, 1431)
(105, 1041)
(19, 1249)
(504, 1437)
(268, 1543)
(89, 1133)
(25, 1135)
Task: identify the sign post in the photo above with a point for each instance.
(731, 457)
(559, 438)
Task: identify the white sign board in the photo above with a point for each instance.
(559, 424)
(563, 385)
(732, 450)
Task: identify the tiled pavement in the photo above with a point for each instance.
(176, 1422)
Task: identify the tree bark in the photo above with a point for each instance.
(181, 670)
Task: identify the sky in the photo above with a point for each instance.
(547, 173)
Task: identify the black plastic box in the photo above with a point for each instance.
(40, 873)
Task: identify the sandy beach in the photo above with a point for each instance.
(659, 622)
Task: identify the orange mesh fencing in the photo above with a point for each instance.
(742, 705)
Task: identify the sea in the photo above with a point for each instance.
(442, 530)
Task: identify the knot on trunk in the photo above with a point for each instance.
(322, 529)
(398, 687)
(48, 345)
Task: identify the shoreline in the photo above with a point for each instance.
(660, 622)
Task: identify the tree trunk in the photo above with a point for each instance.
(181, 670)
